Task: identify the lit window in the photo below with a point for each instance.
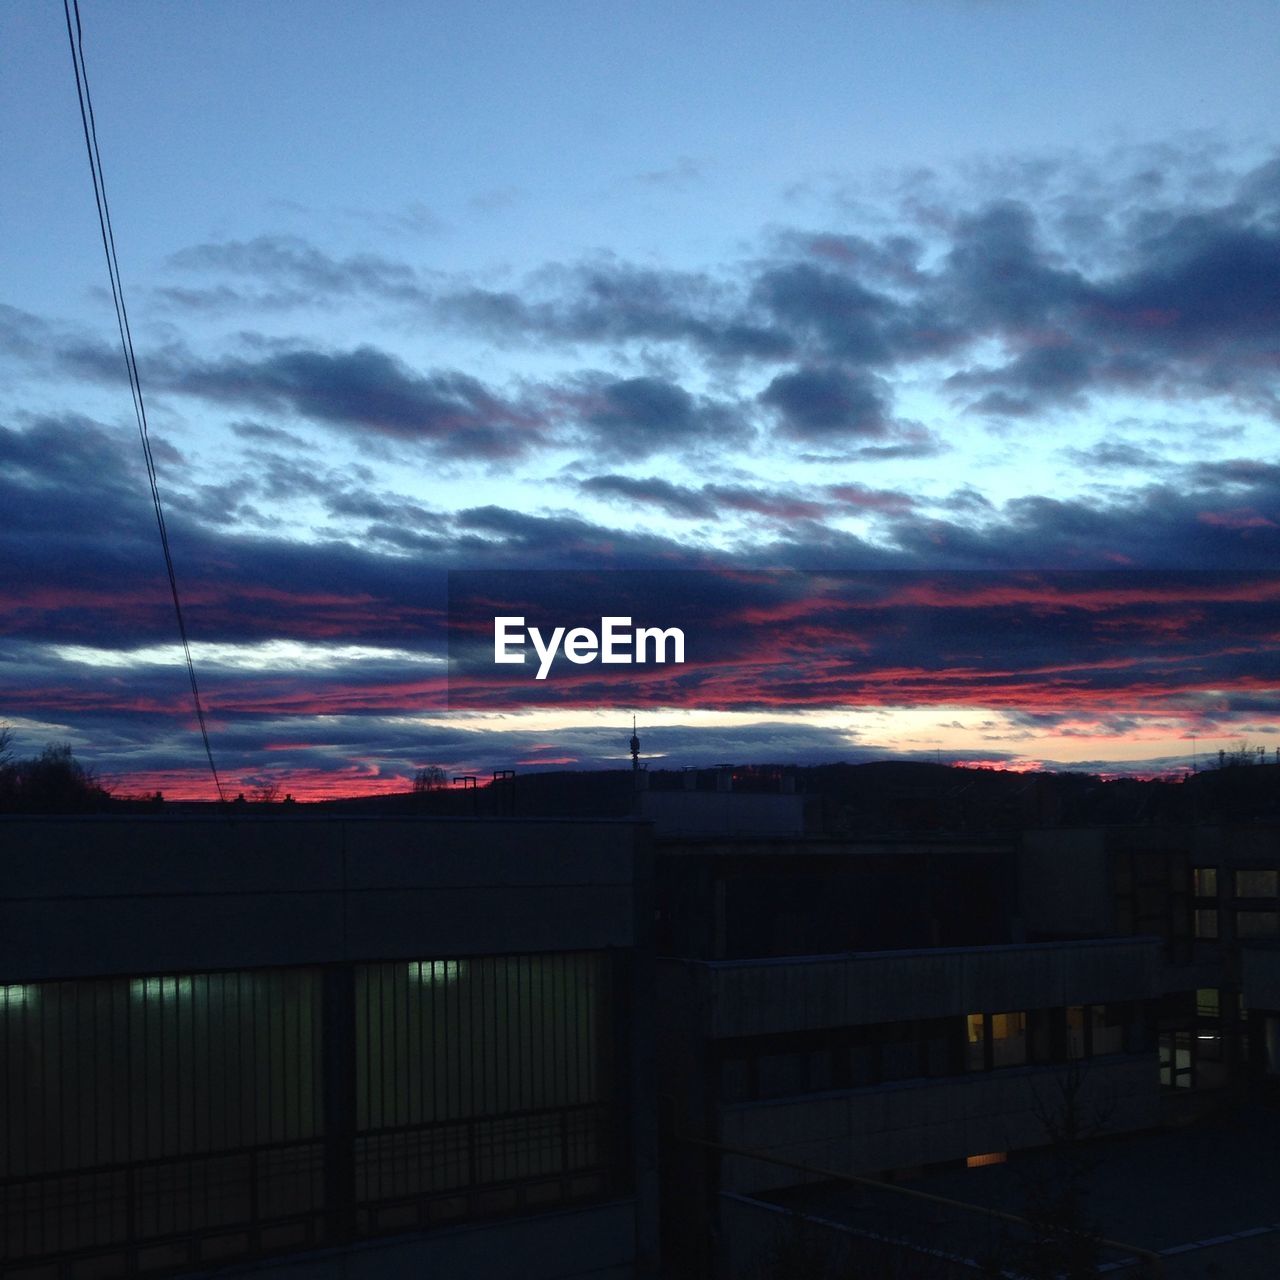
(989, 1157)
(1206, 879)
(1175, 1060)
(1009, 1039)
(1207, 1002)
(435, 971)
(1257, 884)
(975, 1050)
(15, 995)
(160, 988)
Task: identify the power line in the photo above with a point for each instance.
(75, 38)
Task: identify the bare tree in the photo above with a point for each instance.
(1066, 1242)
(431, 777)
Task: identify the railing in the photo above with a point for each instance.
(161, 1215)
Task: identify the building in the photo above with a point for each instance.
(331, 1046)
(874, 1008)
(374, 1045)
(881, 1009)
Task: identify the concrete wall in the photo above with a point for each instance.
(1216, 846)
(1260, 977)
(82, 897)
(1064, 884)
(929, 1121)
(742, 998)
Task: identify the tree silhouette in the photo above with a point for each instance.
(52, 782)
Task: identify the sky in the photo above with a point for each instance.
(922, 354)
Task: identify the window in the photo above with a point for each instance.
(900, 1052)
(470, 1074)
(1175, 1059)
(1076, 1042)
(862, 1065)
(183, 1105)
(1107, 1027)
(1257, 883)
(937, 1048)
(976, 1046)
(1206, 922)
(1206, 882)
(1008, 1039)
(1257, 924)
(1207, 1002)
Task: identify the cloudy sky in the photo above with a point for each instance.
(930, 347)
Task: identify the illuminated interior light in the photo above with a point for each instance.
(160, 988)
(989, 1157)
(14, 995)
(435, 971)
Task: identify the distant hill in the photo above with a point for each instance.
(888, 796)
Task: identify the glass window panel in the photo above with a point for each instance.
(900, 1060)
(1256, 883)
(976, 1040)
(1207, 1002)
(1257, 924)
(1107, 1027)
(1206, 882)
(1075, 1031)
(1009, 1039)
(1206, 923)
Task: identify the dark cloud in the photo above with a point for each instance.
(367, 389)
(712, 501)
(1062, 292)
(1107, 455)
(287, 271)
(1043, 375)
(78, 565)
(820, 403)
(1247, 472)
(830, 310)
(634, 417)
(674, 499)
(998, 276)
(613, 302)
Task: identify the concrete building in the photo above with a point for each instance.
(377, 1045)
(325, 1047)
(885, 1009)
(875, 1008)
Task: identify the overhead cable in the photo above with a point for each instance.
(75, 37)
